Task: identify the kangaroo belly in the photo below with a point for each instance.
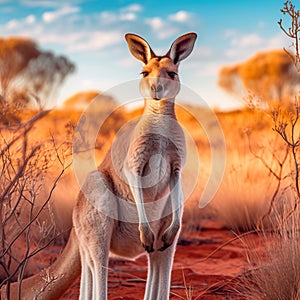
(125, 240)
(155, 178)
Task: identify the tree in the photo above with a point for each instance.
(269, 75)
(15, 53)
(28, 73)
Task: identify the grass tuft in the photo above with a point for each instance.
(276, 273)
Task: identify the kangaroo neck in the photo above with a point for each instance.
(159, 107)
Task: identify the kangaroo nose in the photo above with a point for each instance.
(156, 88)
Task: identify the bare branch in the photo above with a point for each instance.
(293, 32)
(23, 166)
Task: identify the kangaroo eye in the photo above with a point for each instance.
(145, 74)
(172, 74)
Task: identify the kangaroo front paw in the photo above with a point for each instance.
(167, 241)
(147, 238)
(169, 236)
(164, 247)
(149, 249)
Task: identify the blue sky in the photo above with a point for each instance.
(91, 34)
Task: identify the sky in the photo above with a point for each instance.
(91, 34)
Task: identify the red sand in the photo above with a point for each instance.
(203, 279)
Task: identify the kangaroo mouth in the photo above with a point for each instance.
(156, 96)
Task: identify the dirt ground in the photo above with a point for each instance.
(194, 275)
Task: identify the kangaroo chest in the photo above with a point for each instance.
(156, 141)
(152, 155)
(151, 152)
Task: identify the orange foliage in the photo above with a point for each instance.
(269, 75)
(80, 100)
(15, 54)
(24, 48)
(28, 73)
(228, 78)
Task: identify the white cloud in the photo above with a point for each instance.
(167, 32)
(32, 32)
(250, 40)
(254, 41)
(129, 13)
(243, 46)
(82, 41)
(108, 17)
(210, 69)
(170, 26)
(30, 19)
(278, 41)
(155, 23)
(163, 29)
(67, 39)
(91, 41)
(128, 16)
(133, 8)
(17, 24)
(181, 16)
(40, 3)
(232, 53)
(12, 24)
(49, 17)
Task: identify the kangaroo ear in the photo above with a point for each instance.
(139, 48)
(182, 47)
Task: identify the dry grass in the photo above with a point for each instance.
(276, 274)
(248, 186)
(245, 193)
(255, 175)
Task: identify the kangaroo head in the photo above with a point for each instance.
(160, 73)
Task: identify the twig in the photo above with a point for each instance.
(292, 32)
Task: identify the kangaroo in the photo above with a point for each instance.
(145, 171)
(133, 203)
